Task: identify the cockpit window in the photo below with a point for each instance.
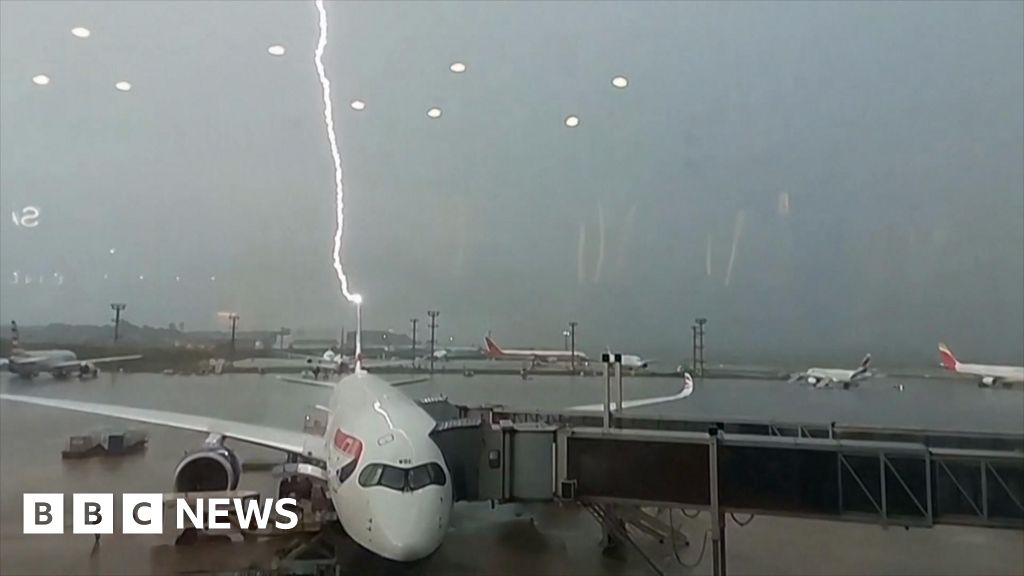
(393, 478)
(402, 479)
(370, 475)
(418, 477)
(345, 471)
(436, 474)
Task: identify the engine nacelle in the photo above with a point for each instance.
(988, 381)
(208, 469)
(88, 370)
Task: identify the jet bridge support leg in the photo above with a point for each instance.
(717, 516)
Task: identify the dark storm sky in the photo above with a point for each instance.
(866, 157)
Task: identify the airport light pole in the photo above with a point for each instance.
(572, 344)
(693, 353)
(433, 326)
(233, 317)
(414, 321)
(117, 308)
(700, 343)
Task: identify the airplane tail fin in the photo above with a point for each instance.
(949, 362)
(15, 340)
(492, 348)
(863, 370)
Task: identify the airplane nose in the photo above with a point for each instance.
(410, 525)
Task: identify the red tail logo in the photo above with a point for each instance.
(15, 340)
(949, 361)
(492, 348)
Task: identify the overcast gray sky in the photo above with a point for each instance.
(865, 159)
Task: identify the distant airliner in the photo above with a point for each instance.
(495, 352)
(830, 377)
(634, 362)
(59, 363)
(991, 375)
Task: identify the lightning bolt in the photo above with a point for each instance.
(339, 192)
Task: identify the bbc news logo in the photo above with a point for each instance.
(144, 513)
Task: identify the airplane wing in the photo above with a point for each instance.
(29, 360)
(104, 360)
(371, 363)
(266, 436)
(307, 361)
(683, 393)
(308, 382)
(408, 381)
(331, 383)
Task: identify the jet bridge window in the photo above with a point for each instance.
(402, 479)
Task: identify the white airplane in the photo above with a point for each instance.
(683, 393)
(829, 377)
(337, 363)
(634, 362)
(495, 352)
(385, 476)
(991, 375)
(457, 353)
(59, 363)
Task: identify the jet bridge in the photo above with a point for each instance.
(498, 456)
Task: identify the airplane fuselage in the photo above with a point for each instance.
(1007, 374)
(823, 377)
(536, 355)
(30, 364)
(834, 374)
(635, 362)
(396, 499)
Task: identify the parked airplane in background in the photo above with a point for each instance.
(634, 362)
(990, 375)
(59, 363)
(458, 353)
(495, 352)
(336, 363)
(831, 377)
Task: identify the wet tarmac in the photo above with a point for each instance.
(511, 539)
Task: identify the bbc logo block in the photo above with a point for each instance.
(43, 514)
(92, 514)
(142, 513)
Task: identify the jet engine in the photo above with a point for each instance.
(988, 381)
(211, 468)
(88, 370)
